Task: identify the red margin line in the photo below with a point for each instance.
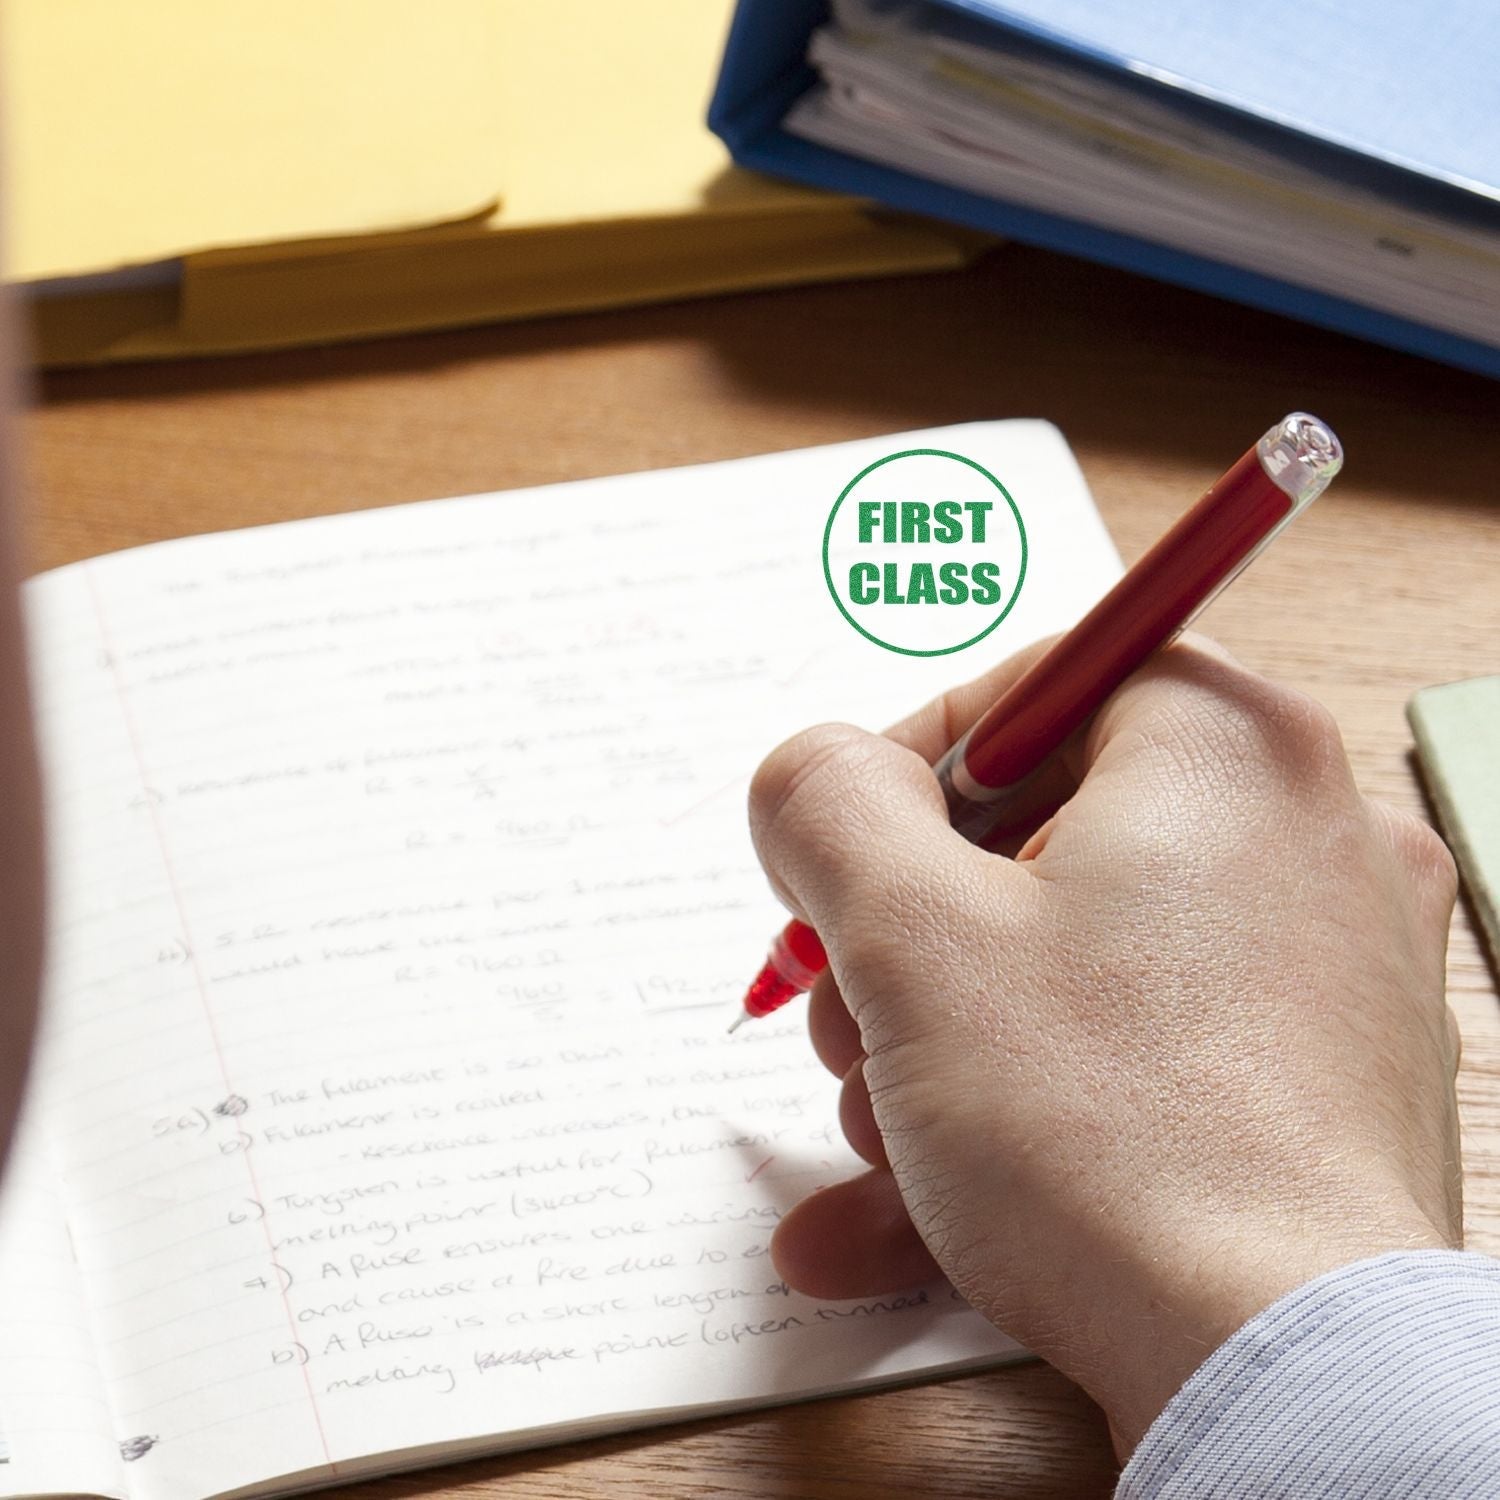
(106, 640)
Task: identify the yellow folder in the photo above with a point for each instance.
(202, 176)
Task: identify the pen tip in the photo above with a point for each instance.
(738, 1021)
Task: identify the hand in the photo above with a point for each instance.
(1187, 1050)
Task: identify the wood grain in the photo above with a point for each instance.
(1392, 581)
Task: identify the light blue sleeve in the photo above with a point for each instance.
(1377, 1381)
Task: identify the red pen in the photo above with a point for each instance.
(991, 777)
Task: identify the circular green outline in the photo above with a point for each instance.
(828, 534)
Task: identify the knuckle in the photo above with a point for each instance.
(1453, 1035)
(806, 762)
(810, 815)
(1286, 731)
(1289, 724)
(1423, 852)
(1212, 715)
(1307, 725)
(1195, 645)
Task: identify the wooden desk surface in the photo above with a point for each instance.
(1392, 581)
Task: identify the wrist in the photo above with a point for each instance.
(1182, 1311)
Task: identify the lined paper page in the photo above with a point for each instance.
(403, 890)
(56, 1432)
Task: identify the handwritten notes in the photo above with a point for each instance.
(402, 896)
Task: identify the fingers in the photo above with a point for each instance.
(854, 1239)
(857, 1117)
(834, 1032)
(835, 1038)
(853, 831)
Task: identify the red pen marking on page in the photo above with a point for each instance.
(761, 1168)
(801, 668)
(687, 812)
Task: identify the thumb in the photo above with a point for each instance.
(853, 832)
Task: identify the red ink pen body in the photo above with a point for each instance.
(992, 777)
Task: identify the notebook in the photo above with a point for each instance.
(1336, 164)
(1457, 728)
(385, 1113)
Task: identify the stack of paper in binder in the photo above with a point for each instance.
(192, 176)
(1338, 161)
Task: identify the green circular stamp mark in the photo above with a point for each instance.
(916, 510)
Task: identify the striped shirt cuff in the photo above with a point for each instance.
(1379, 1379)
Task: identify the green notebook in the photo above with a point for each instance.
(1457, 727)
